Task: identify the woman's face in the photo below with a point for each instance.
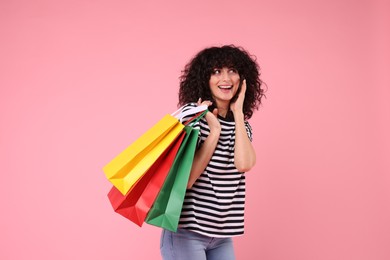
(224, 84)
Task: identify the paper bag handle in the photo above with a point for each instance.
(194, 110)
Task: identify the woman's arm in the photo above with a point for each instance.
(244, 153)
(204, 153)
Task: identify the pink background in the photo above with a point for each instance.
(80, 80)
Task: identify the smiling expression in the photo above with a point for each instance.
(224, 84)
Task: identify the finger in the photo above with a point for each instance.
(215, 112)
(207, 103)
(199, 101)
(243, 87)
(242, 90)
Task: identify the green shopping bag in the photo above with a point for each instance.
(166, 209)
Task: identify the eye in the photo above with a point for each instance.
(216, 71)
(233, 71)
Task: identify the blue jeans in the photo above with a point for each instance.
(188, 245)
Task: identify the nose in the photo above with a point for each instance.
(224, 75)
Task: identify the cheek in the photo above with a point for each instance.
(213, 79)
(237, 79)
(236, 84)
(211, 87)
(213, 83)
(235, 91)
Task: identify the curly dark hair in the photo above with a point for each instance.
(194, 80)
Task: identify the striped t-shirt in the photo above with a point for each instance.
(214, 206)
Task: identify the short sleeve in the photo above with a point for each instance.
(248, 130)
(189, 117)
(195, 125)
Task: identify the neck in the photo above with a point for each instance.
(223, 108)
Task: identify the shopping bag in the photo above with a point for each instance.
(166, 209)
(137, 202)
(131, 164)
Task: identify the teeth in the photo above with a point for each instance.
(225, 87)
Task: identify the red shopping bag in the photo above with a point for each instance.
(136, 204)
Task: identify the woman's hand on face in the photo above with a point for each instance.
(211, 117)
(237, 106)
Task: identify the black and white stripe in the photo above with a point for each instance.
(214, 206)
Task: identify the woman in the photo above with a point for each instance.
(227, 80)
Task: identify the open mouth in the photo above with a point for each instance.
(228, 87)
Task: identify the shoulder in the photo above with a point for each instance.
(248, 128)
(189, 106)
(186, 108)
(247, 125)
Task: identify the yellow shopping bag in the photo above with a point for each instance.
(131, 164)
